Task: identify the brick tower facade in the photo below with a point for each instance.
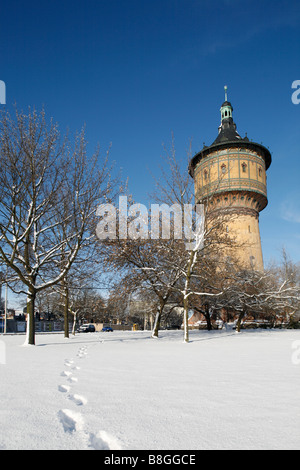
(230, 177)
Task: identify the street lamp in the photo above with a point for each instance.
(1, 280)
(5, 307)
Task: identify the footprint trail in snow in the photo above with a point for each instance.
(73, 421)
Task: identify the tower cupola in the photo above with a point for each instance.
(226, 108)
(227, 128)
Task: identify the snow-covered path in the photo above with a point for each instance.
(124, 390)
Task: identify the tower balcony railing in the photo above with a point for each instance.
(231, 184)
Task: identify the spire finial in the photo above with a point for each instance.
(225, 89)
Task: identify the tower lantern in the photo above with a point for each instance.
(226, 108)
(230, 177)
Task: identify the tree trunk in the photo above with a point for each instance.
(30, 334)
(239, 322)
(74, 323)
(186, 319)
(189, 272)
(207, 317)
(156, 324)
(151, 321)
(157, 320)
(66, 313)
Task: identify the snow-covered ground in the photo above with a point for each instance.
(124, 390)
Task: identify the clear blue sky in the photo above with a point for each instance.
(135, 71)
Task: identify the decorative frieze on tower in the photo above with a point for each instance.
(230, 177)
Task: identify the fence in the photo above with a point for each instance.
(15, 326)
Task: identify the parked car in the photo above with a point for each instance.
(107, 328)
(87, 328)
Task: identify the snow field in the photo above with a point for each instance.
(125, 390)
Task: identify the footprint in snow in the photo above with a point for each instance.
(71, 420)
(104, 441)
(77, 399)
(66, 373)
(69, 363)
(72, 379)
(81, 354)
(64, 388)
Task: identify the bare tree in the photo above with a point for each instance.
(146, 266)
(166, 261)
(261, 294)
(50, 194)
(200, 239)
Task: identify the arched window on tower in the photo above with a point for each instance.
(244, 167)
(205, 175)
(223, 169)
